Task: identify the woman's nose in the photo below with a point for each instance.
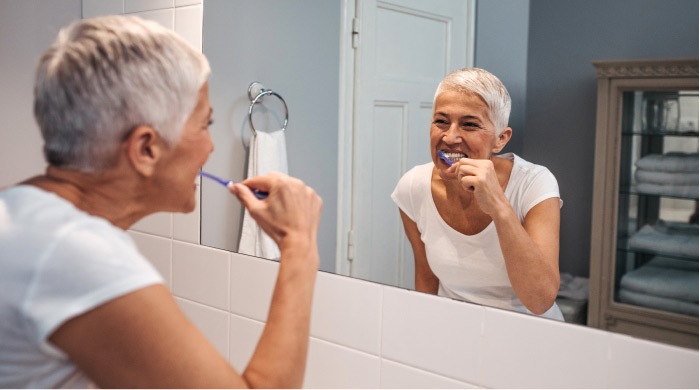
(452, 135)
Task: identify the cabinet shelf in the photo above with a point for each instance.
(644, 248)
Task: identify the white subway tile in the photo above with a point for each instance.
(188, 23)
(165, 17)
(131, 6)
(201, 274)
(399, 376)
(244, 336)
(526, 351)
(213, 323)
(182, 3)
(432, 333)
(347, 311)
(252, 282)
(160, 224)
(332, 366)
(636, 363)
(92, 8)
(186, 226)
(158, 251)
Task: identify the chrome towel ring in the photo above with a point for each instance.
(256, 92)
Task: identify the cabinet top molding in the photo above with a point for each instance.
(646, 68)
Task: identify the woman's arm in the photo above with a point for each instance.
(531, 252)
(425, 279)
(143, 340)
(530, 249)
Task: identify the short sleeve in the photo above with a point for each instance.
(402, 194)
(88, 265)
(542, 186)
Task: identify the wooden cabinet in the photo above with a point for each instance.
(644, 233)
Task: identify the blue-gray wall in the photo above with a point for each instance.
(564, 37)
(501, 48)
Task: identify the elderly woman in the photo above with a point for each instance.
(124, 111)
(484, 228)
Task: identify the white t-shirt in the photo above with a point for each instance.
(56, 262)
(471, 267)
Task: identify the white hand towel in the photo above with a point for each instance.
(268, 153)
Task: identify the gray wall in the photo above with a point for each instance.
(564, 37)
(501, 48)
(293, 48)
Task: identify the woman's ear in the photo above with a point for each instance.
(502, 140)
(144, 149)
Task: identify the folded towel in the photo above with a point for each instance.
(664, 277)
(669, 162)
(662, 241)
(268, 153)
(654, 302)
(666, 178)
(685, 191)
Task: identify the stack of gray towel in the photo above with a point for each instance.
(665, 283)
(672, 174)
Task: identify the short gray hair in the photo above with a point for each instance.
(105, 76)
(485, 85)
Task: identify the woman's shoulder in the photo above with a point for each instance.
(416, 174)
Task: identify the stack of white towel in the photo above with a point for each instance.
(665, 283)
(672, 174)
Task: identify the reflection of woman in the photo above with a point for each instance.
(486, 228)
(124, 111)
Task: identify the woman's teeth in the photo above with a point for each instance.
(454, 157)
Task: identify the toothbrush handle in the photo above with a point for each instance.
(258, 194)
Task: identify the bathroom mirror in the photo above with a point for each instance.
(303, 51)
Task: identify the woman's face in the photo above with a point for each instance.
(185, 158)
(461, 128)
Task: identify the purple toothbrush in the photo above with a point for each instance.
(229, 183)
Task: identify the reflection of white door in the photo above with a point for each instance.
(405, 48)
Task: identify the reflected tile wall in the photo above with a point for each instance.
(364, 335)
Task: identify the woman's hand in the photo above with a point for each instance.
(291, 209)
(479, 177)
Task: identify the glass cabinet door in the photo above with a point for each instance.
(656, 264)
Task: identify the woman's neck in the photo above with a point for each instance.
(107, 194)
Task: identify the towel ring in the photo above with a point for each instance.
(256, 92)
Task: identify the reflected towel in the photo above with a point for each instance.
(660, 303)
(666, 178)
(664, 277)
(686, 191)
(678, 242)
(268, 153)
(669, 162)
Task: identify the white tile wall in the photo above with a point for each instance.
(158, 251)
(332, 366)
(370, 336)
(436, 334)
(569, 354)
(243, 336)
(357, 325)
(213, 323)
(399, 376)
(131, 6)
(201, 274)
